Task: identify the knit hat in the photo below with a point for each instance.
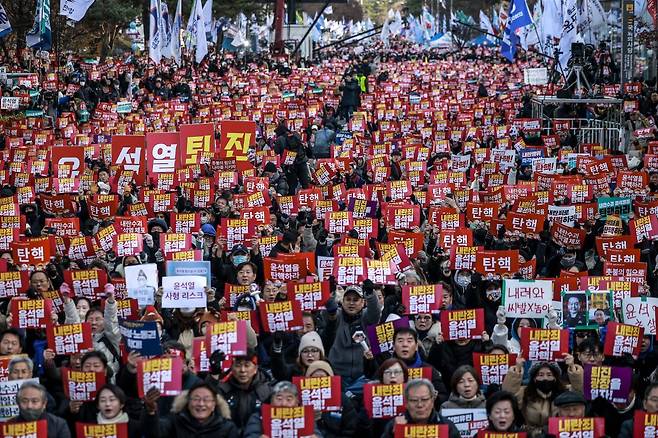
(150, 314)
(568, 398)
(158, 223)
(534, 369)
(311, 339)
(319, 365)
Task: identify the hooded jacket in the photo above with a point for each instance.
(181, 424)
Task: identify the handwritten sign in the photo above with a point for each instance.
(527, 298)
(640, 312)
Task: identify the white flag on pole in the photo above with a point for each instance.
(155, 31)
(74, 9)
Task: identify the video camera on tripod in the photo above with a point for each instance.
(581, 71)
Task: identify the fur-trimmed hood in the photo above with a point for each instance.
(180, 404)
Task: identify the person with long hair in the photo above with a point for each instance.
(544, 385)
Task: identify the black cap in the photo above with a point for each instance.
(238, 249)
(569, 398)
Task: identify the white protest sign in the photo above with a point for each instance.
(527, 298)
(325, 267)
(565, 215)
(124, 107)
(641, 312)
(8, 391)
(544, 165)
(535, 76)
(467, 421)
(10, 103)
(183, 291)
(142, 282)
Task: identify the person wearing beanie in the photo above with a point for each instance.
(340, 423)
(310, 350)
(544, 386)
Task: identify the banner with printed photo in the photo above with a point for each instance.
(323, 393)
(81, 385)
(574, 309)
(527, 298)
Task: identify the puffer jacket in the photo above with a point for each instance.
(538, 411)
(111, 331)
(244, 402)
(181, 424)
(455, 401)
(346, 356)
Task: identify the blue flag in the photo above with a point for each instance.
(519, 16)
(39, 37)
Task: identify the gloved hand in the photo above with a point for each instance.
(368, 287)
(331, 306)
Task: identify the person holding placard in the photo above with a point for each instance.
(31, 399)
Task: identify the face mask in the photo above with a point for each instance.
(493, 294)
(31, 414)
(237, 259)
(545, 386)
(463, 280)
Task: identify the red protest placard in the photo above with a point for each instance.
(422, 298)
(323, 393)
(463, 257)
(161, 152)
(497, 262)
(64, 227)
(348, 270)
(420, 373)
(402, 217)
(128, 244)
(462, 324)
(280, 422)
(283, 316)
(71, 158)
(229, 337)
(80, 385)
(194, 140)
(88, 283)
(165, 374)
(131, 224)
(420, 430)
(129, 152)
(645, 424)
(14, 283)
(200, 356)
(175, 242)
(236, 138)
(589, 427)
(636, 272)
(93, 430)
(30, 429)
(491, 434)
(383, 401)
(644, 228)
(275, 269)
(185, 222)
(33, 252)
(310, 296)
(31, 314)
(127, 309)
(544, 344)
(338, 222)
(621, 339)
(68, 339)
(237, 231)
(492, 368)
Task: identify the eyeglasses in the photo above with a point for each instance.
(392, 373)
(204, 400)
(590, 355)
(419, 401)
(309, 351)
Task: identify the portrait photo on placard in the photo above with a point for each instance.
(599, 308)
(574, 309)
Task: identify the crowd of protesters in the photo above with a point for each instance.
(396, 115)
